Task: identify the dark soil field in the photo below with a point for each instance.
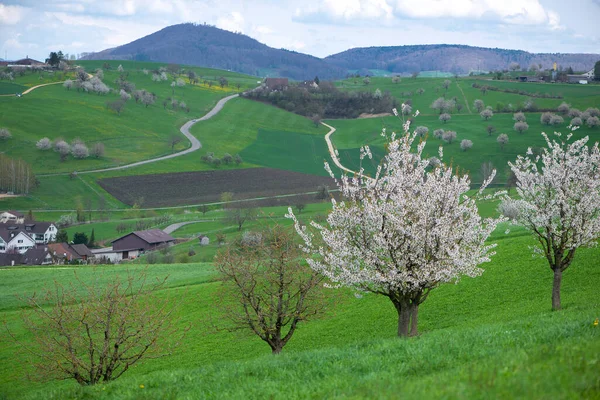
(186, 188)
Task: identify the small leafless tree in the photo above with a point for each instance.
(239, 216)
(117, 105)
(94, 332)
(98, 150)
(490, 130)
(173, 140)
(267, 288)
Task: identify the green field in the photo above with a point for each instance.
(492, 336)
(353, 133)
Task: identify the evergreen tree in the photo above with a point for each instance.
(62, 236)
(597, 71)
(80, 238)
(92, 241)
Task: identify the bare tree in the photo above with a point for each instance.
(117, 106)
(173, 140)
(490, 130)
(267, 288)
(486, 170)
(94, 333)
(239, 216)
(98, 150)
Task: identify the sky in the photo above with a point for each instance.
(34, 28)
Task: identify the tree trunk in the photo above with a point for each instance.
(414, 318)
(556, 289)
(403, 309)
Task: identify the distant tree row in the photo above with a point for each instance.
(77, 148)
(16, 175)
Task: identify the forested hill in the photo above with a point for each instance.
(452, 58)
(207, 46)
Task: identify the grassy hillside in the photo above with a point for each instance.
(352, 133)
(491, 336)
(138, 133)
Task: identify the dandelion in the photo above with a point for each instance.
(595, 322)
(141, 386)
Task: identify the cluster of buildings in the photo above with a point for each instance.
(34, 243)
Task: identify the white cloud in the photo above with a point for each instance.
(10, 15)
(346, 10)
(233, 22)
(262, 29)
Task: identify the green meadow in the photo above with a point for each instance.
(489, 337)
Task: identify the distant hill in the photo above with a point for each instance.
(452, 58)
(207, 46)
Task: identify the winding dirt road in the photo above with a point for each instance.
(332, 151)
(32, 88)
(185, 129)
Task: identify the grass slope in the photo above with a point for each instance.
(492, 336)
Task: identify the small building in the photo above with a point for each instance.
(33, 256)
(63, 253)
(204, 240)
(276, 83)
(529, 79)
(37, 232)
(12, 239)
(12, 217)
(582, 79)
(134, 243)
(26, 63)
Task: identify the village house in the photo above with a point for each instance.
(276, 83)
(12, 217)
(33, 256)
(23, 237)
(63, 253)
(135, 243)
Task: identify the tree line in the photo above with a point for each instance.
(16, 175)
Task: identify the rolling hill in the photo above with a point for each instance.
(216, 48)
(452, 58)
(208, 46)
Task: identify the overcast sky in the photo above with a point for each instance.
(317, 27)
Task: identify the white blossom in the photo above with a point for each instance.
(559, 201)
(401, 233)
